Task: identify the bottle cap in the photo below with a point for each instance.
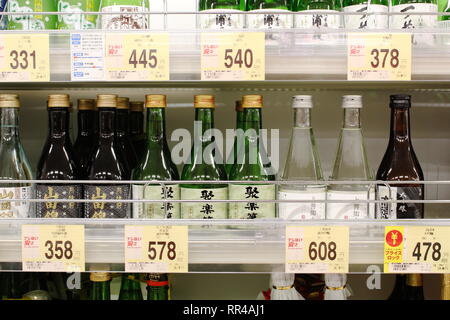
(9, 101)
(400, 101)
(204, 101)
(302, 101)
(351, 101)
(155, 101)
(58, 101)
(107, 101)
(252, 101)
(239, 106)
(123, 103)
(136, 106)
(100, 276)
(86, 104)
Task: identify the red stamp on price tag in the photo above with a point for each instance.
(394, 238)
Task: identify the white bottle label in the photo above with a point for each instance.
(350, 211)
(252, 210)
(15, 209)
(261, 20)
(302, 210)
(408, 21)
(320, 19)
(204, 210)
(156, 210)
(365, 21)
(226, 19)
(126, 20)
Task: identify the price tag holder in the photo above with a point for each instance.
(53, 248)
(378, 56)
(233, 56)
(24, 57)
(416, 249)
(137, 57)
(156, 249)
(317, 249)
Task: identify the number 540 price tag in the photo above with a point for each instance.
(156, 249)
(53, 248)
(317, 249)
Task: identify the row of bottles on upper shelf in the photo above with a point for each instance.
(131, 14)
(108, 153)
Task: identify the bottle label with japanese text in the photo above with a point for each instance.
(366, 21)
(100, 209)
(252, 210)
(399, 210)
(320, 19)
(156, 210)
(408, 21)
(129, 18)
(262, 20)
(15, 209)
(204, 210)
(59, 209)
(302, 210)
(228, 19)
(350, 211)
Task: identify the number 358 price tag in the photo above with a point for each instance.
(53, 248)
(379, 56)
(156, 249)
(317, 249)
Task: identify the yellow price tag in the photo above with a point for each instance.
(53, 248)
(417, 249)
(156, 249)
(24, 57)
(317, 249)
(137, 57)
(233, 56)
(378, 56)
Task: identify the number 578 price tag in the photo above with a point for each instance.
(156, 249)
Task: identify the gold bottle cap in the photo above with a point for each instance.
(9, 101)
(58, 101)
(445, 289)
(204, 101)
(414, 280)
(86, 104)
(252, 101)
(239, 106)
(155, 101)
(100, 276)
(123, 103)
(136, 106)
(107, 101)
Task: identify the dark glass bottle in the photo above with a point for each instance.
(137, 134)
(107, 164)
(58, 162)
(87, 133)
(399, 291)
(158, 286)
(232, 157)
(130, 288)
(123, 132)
(414, 287)
(100, 286)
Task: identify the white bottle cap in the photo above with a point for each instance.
(302, 102)
(351, 101)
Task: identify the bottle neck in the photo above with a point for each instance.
(204, 118)
(156, 126)
(239, 119)
(252, 119)
(86, 123)
(136, 123)
(400, 125)
(302, 118)
(58, 119)
(101, 290)
(352, 118)
(106, 123)
(122, 125)
(9, 124)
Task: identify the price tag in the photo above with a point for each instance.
(53, 248)
(24, 57)
(87, 56)
(156, 249)
(379, 56)
(233, 56)
(317, 249)
(137, 57)
(417, 249)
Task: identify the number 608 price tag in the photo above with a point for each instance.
(156, 249)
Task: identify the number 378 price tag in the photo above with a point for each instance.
(317, 249)
(156, 249)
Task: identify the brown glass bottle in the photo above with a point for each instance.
(123, 132)
(58, 161)
(414, 287)
(137, 134)
(107, 164)
(87, 133)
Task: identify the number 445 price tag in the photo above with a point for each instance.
(317, 249)
(156, 249)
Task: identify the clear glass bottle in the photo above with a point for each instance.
(126, 15)
(302, 163)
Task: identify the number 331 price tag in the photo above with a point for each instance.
(156, 249)
(317, 249)
(53, 248)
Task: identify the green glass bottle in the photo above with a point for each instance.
(156, 165)
(31, 22)
(261, 20)
(251, 167)
(100, 286)
(205, 164)
(73, 19)
(321, 17)
(408, 21)
(444, 6)
(232, 158)
(365, 21)
(130, 288)
(158, 286)
(224, 14)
